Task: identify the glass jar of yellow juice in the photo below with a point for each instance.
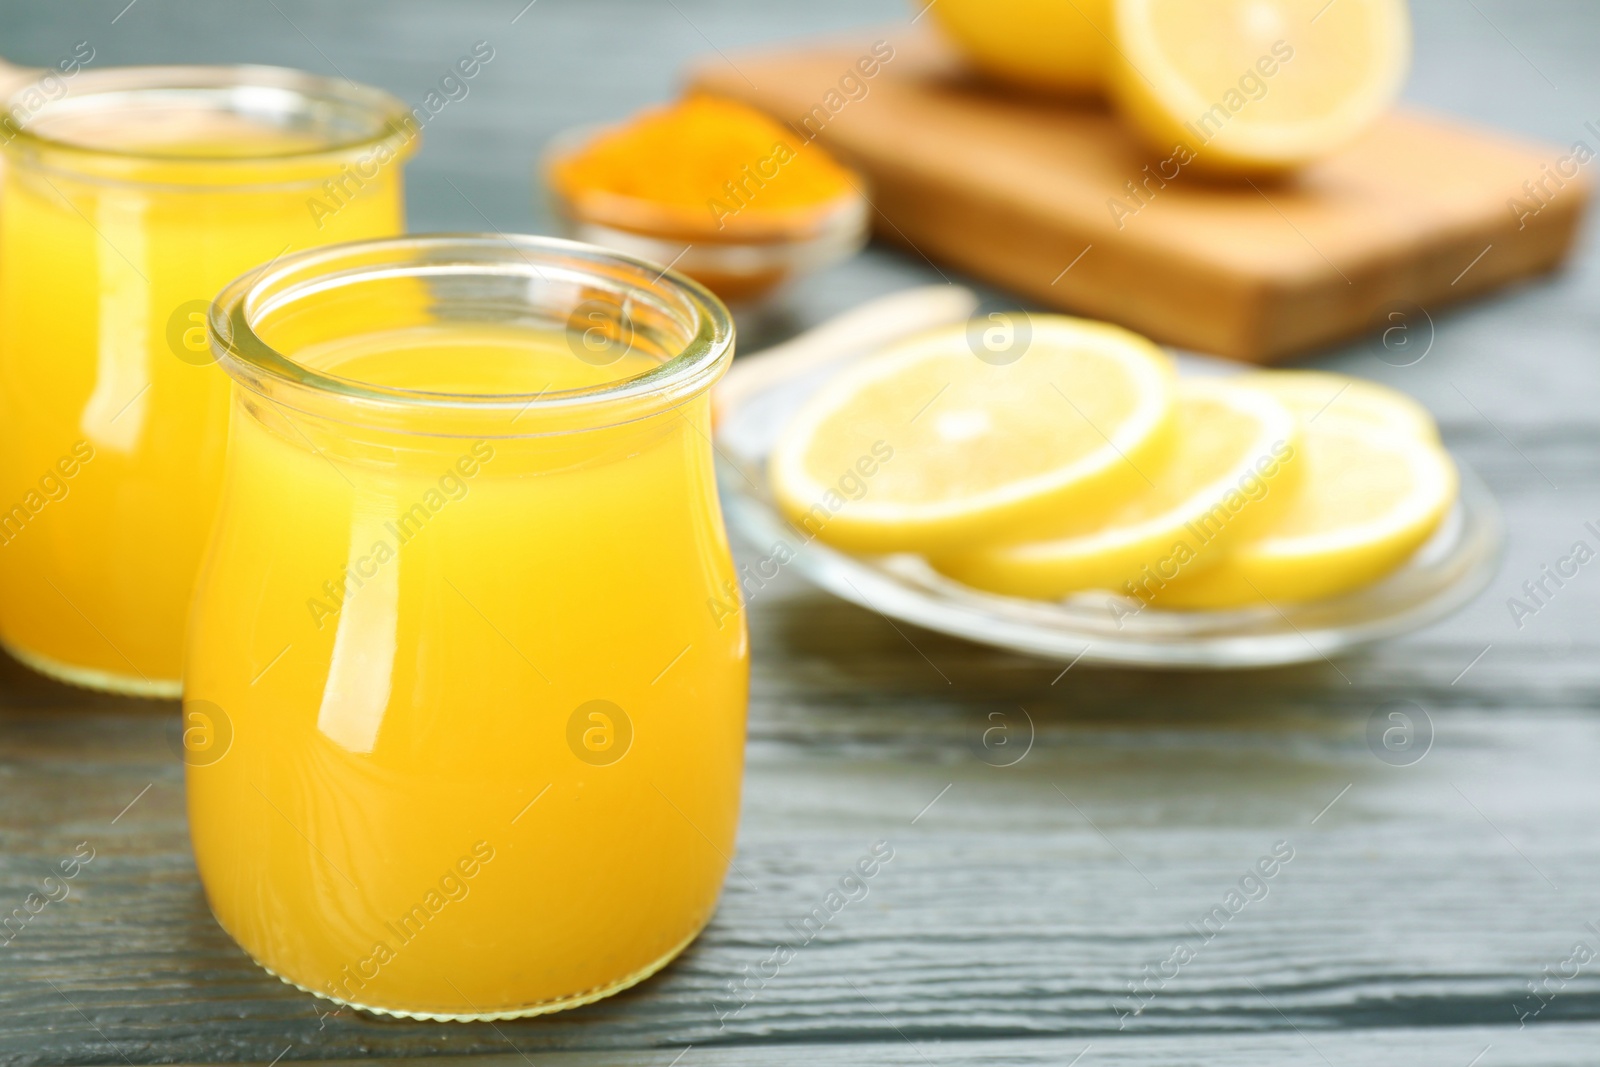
(467, 694)
(127, 203)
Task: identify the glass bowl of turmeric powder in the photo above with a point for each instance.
(712, 188)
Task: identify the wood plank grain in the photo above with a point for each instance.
(1010, 908)
(1548, 1046)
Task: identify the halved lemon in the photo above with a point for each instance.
(1320, 396)
(1370, 499)
(1050, 45)
(999, 430)
(1257, 85)
(1234, 470)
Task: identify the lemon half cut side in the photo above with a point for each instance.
(1257, 86)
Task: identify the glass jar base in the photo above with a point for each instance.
(542, 1007)
(100, 681)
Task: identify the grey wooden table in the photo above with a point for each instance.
(1030, 908)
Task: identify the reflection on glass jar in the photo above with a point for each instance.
(460, 614)
(128, 201)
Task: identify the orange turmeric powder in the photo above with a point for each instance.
(702, 168)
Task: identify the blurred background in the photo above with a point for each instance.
(1526, 68)
(560, 63)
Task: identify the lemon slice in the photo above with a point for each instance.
(1318, 396)
(997, 430)
(1257, 85)
(1368, 501)
(1049, 45)
(1234, 469)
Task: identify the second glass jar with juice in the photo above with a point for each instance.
(127, 204)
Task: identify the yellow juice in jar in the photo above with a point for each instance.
(474, 724)
(118, 222)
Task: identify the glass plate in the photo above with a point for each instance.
(1452, 568)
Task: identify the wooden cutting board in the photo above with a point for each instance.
(1033, 195)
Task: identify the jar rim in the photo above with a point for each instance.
(257, 365)
(386, 117)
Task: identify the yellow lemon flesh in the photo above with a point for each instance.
(1318, 396)
(1233, 471)
(1257, 86)
(1058, 46)
(977, 433)
(1370, 499)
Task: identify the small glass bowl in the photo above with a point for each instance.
(743, 263)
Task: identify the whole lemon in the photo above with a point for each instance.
(1059, 46)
